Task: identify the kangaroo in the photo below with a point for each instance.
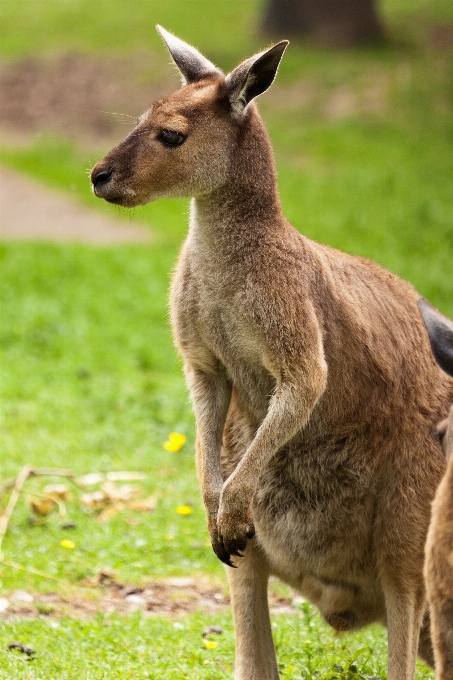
(313, 384)
(439, 545)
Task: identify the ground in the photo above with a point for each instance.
(31, 211)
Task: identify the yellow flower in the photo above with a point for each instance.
(175, 442)
(183, 509)
(210, 644)
(67, 544)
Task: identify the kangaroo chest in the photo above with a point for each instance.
(210, 320)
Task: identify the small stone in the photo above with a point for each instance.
(22, 596)
(136, 600)
(180, 582)
(4, 604)
(68, 525)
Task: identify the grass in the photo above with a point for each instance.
(171, 649)
(90, 379)
(114, 647)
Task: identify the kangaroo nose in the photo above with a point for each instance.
(101, 176)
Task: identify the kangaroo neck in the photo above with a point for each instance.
(247, 205)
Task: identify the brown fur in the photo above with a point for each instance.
(313, 384)
(439, 544)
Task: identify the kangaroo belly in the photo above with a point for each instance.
(319, 541)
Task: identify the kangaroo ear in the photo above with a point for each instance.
(253, 76)
(440, 332)
(190, 62)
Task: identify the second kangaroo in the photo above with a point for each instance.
(439, 546)
(313, 384)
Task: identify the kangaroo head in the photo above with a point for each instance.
(185, 144)
(440, 332)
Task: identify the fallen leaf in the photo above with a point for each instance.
(125, 476)
(145, 505)
(110, 511)
(42, 506)
(175, 442)
(119, 493)
(60, 491)
(97, 499)
(90, 479)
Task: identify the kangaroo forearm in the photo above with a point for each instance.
(211, 395)
(289, 411)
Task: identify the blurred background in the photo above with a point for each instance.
(361, 119)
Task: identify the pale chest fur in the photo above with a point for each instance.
(213, 327)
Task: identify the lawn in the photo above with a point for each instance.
(89, 377)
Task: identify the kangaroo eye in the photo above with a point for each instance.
(172, 138)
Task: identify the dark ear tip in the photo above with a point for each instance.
(280, 46)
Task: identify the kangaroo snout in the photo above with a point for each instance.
(108, 183)
(100, 176)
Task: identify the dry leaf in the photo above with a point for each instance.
(125, 476)
(90, 479)
(120, 493)
(145, 505)
(42, 506)
(58, 491)
(97, 499)
(110, 511)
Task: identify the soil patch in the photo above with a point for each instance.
(79, 96)
(170, 597)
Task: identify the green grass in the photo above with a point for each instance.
(90, 379)
(135, 647)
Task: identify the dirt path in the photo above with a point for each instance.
(168, 597)
(31, 211)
